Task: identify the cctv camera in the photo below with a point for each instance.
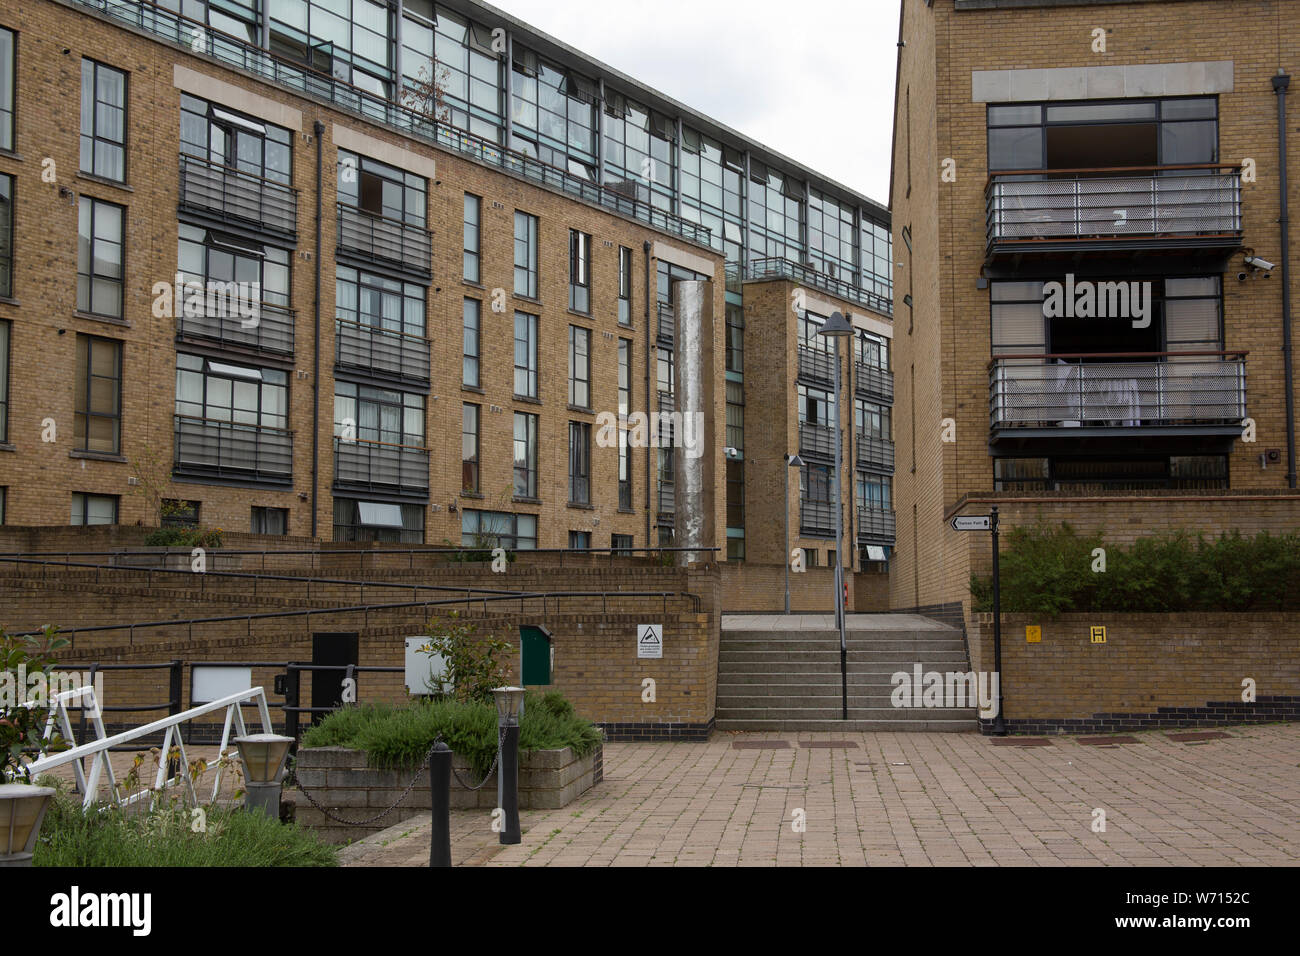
(1255, 262)
(1241, 277)
(731, 452)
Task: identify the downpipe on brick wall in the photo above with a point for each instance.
(319, 130)
(650, 337)
(1280, 84)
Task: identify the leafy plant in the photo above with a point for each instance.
(1048, 570)
(170, 836)
(474, 665)
(22, 727)
(173, 536)
(400, 737)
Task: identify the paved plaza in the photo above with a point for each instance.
(910, 799)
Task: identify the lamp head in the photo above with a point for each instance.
(836, 325)
(263, 756)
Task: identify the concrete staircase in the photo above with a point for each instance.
(782, 672)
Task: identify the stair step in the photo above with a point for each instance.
(866, 726)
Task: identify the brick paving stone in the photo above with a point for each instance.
(905, 799)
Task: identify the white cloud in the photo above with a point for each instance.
(813, 80)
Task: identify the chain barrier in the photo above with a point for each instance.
(369, 821)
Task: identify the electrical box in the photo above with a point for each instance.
(537, 652)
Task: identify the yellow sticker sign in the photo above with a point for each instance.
(1033, 634)
(1098, 634)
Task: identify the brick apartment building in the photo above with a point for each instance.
(448, 294)
(1115, 149)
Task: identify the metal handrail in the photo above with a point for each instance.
(484, 599)
(780, 267)
(99, 749)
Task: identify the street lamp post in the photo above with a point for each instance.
(792, 462)
(509, 701)
(836, 328)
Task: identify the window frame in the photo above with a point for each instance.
(473, 464)
(86, 497)
(8, 112)
(525, 481)
(530, 371)
(471, 359)
(624, 286)
(83, 391)
(580, 271)
(527, 246)
(92, 241)
(472, 253)
(579, 367)
(94, 137)
(8, 231)
(579, 463)
(264, 512)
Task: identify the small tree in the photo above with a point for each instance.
(474, 665)
(152, 473)
(22, 724)
(424, 94)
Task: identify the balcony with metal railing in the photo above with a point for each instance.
(268, 331)
(1119, 394)
(185, 32)
(816, 518)
(1125, 208)
(210, 448)
(381, 466)
(816, 365)
(667, 323)
(775, 267)
(667, 501)
(817, 440)
(873, 381)
(371, 236)
(238, 198)
(876, 526)
(385, 351)
(875, 454)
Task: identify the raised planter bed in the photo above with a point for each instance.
(339, 780)
(176, 559)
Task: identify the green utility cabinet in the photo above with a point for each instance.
(537, 653)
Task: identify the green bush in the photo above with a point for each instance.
(178, 537)
(400, 737)
(1048, 570)
(166, 837)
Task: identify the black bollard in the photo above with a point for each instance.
(440, 785)
(509, 771)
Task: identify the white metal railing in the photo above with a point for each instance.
(100, 748)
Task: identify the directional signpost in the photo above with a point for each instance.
(989, 522)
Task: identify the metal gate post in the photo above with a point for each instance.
(440, 785)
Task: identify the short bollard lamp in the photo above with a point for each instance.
(509, 702)
(22, 807)
(263, 757)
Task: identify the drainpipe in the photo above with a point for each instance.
(319, 130)
(1280, 84)
(650, 336)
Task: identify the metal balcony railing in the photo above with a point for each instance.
(817, 440)
(1121, 390)
(667, 323)
(667, 498)
(294, 75)
(238, 197)
(1128, 203)
(873, 380)
(270, 330)
(666, 401)
(775, 267)
(389, 240)
(362, 346)
(816, 365)
(876, 526)
(381, 465)
(875, 454)
(227, 450)
(816, 517)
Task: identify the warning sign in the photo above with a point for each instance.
(650, 640)
(1097, 633)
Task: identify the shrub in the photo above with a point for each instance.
(474, 665)
(1048, 570)
(400, 737)
(22, 729)
(166, 837)
(177, 537)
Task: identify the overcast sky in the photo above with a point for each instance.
(813, 80)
